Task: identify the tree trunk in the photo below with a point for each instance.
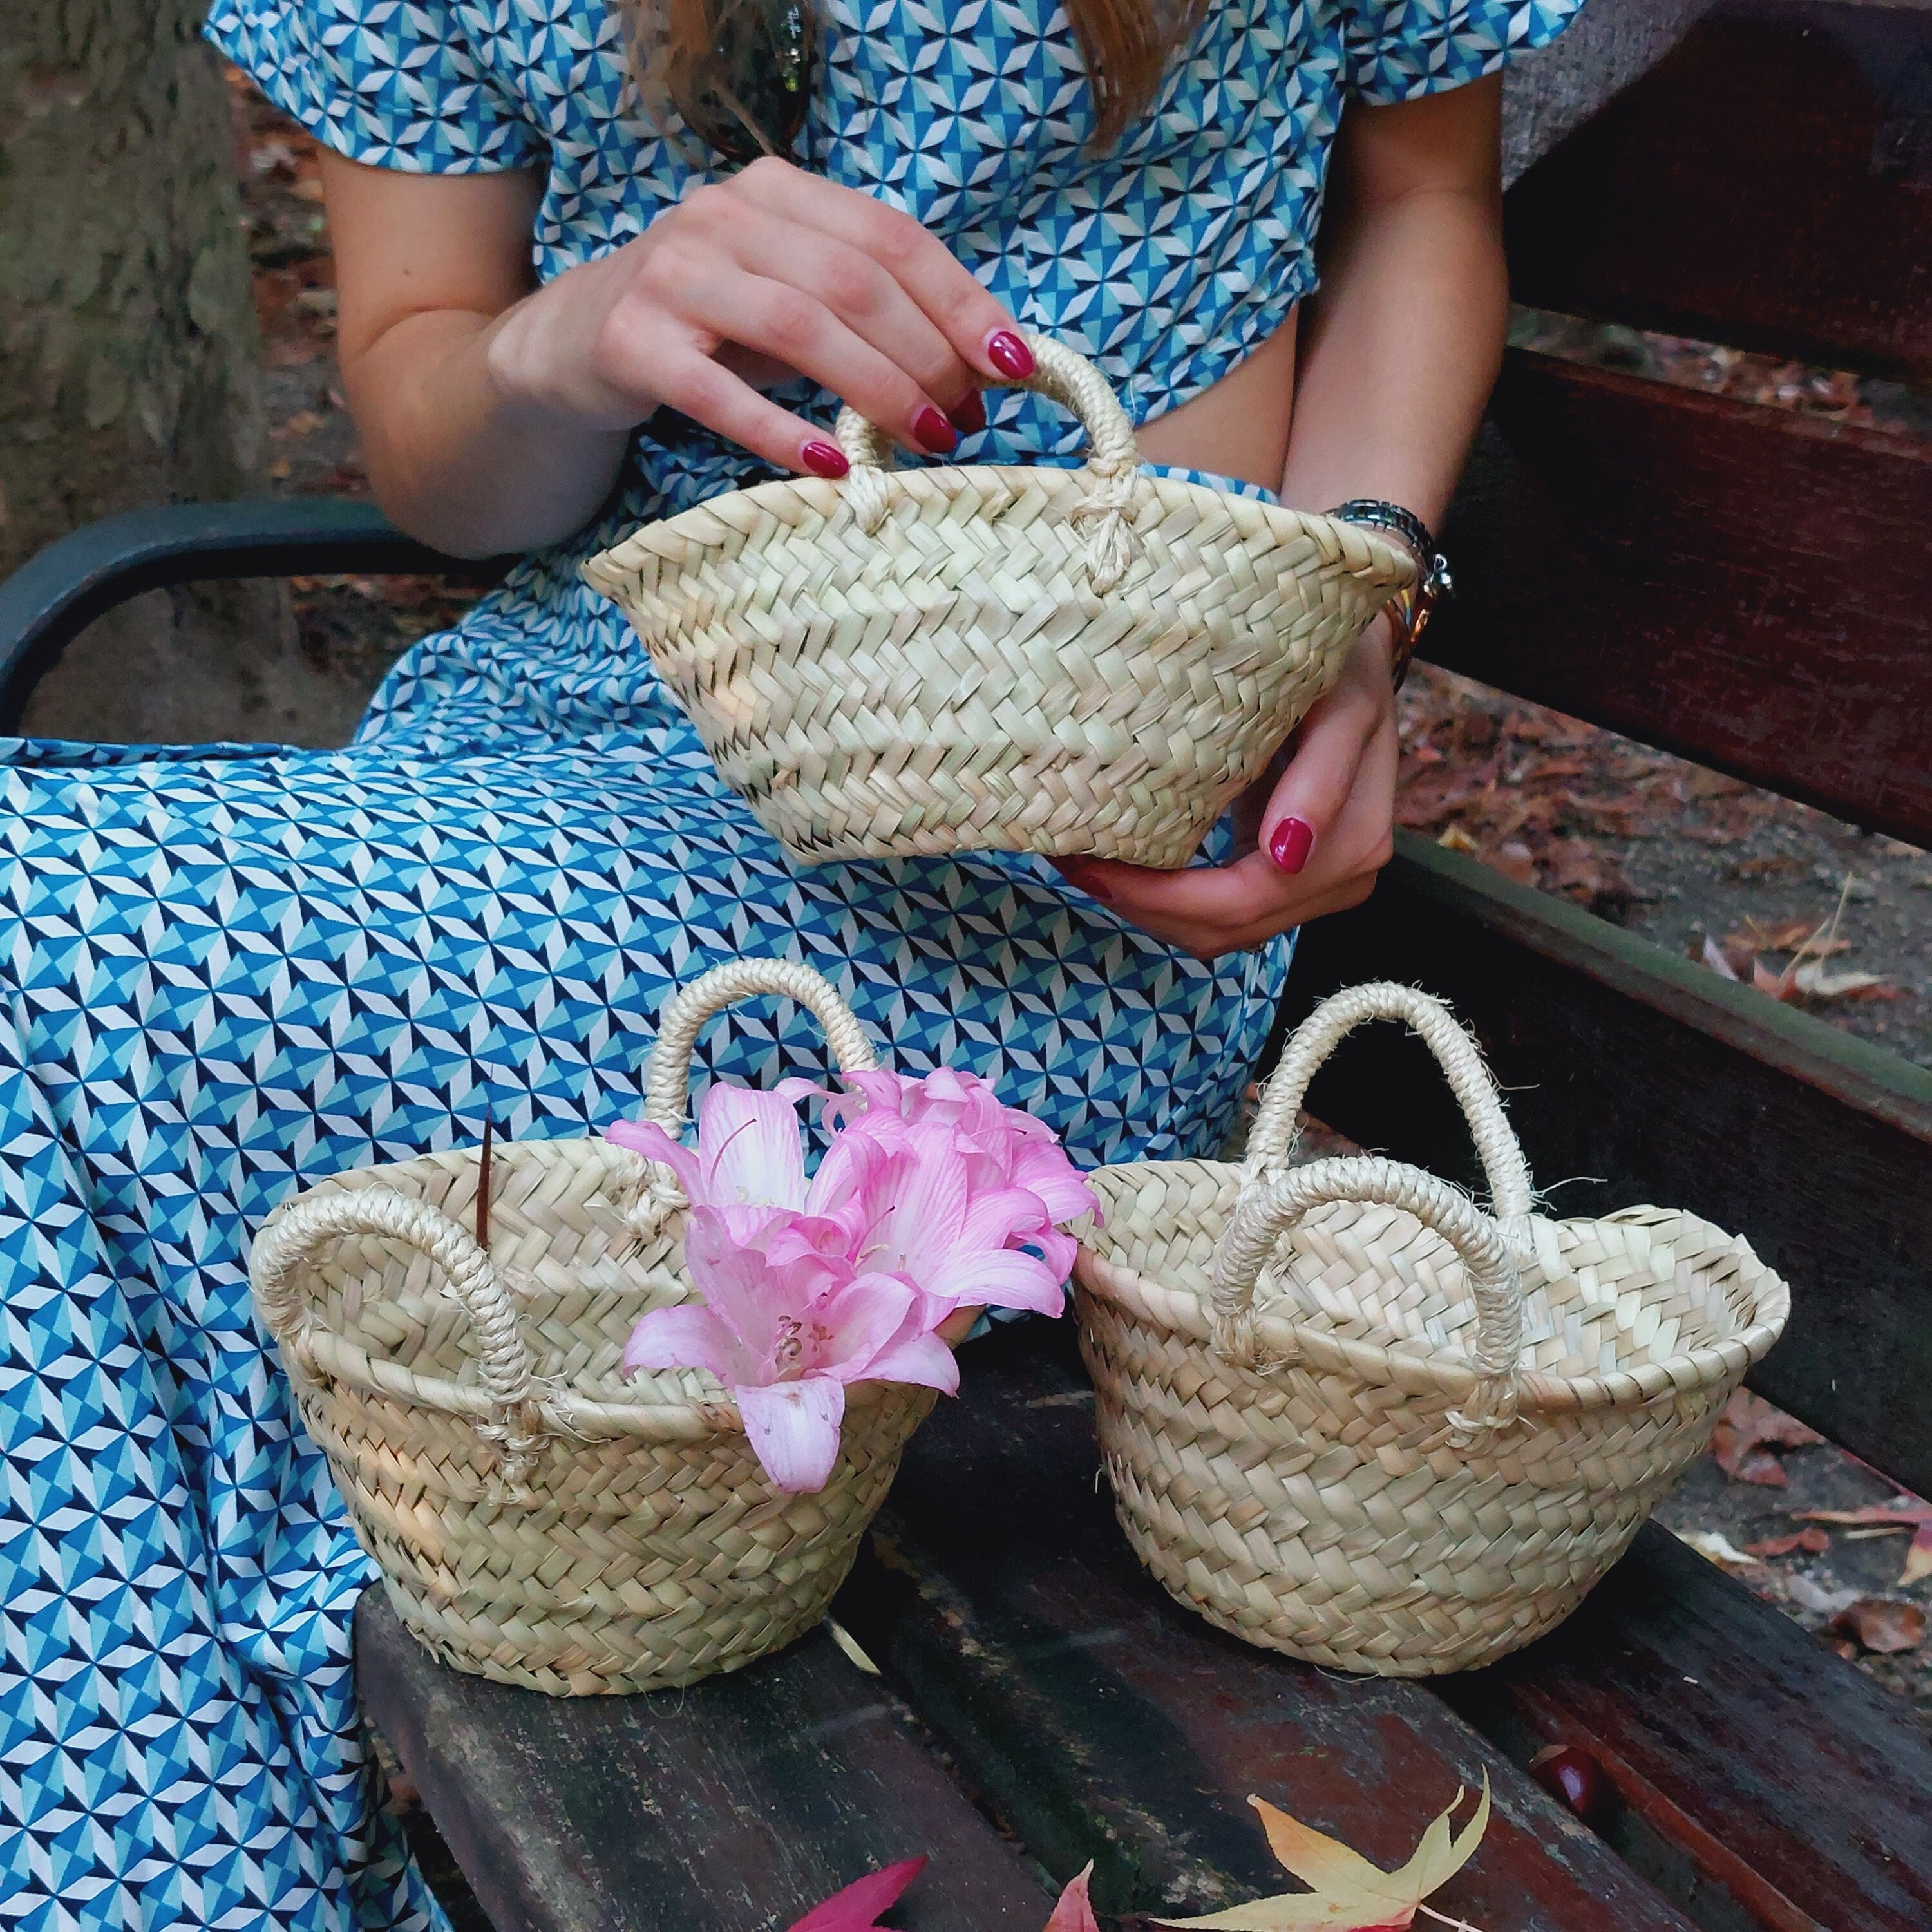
(127, 356)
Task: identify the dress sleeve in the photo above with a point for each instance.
(396, 83)
(1398, 49)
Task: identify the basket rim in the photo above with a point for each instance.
(1181, 1311)
(1392, 567)
(340, 1361)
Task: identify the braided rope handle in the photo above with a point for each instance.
(515, 1428)
(1270, 1207)
(1277, 1123)
(667, 1079)
(1111, 470)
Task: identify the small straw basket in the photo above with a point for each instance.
(997, 658)
(538, 1518)
(1349, 1415)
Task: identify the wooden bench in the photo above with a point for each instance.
(1013, 1695)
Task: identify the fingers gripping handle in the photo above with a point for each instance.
(1456, 1053)
(295, 1235)
(667, 1082)
(1271, 1207)
(1111, 472)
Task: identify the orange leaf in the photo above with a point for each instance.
(1350, 1895)
(1880, 1624)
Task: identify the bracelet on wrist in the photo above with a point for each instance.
(1414, 605)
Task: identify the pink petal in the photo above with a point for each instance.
(917, 1357)
(856, 1908)
(1042, 1169)
(923, 1206)
(1075, 1911)
(886, 1093)
(1006, 1279)
(793, 1430)
(737, 1279)
(850, 1326)
(687, 1337)
(751, 1148)
(992, 1220)
(648, 1138)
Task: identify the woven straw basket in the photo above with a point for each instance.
(1350, 1416)
(538, 1518)
(1017, 658)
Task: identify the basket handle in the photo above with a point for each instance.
(667, 1079)
(515, 1428)
(1111, 470)
(1270, 1207)
(1273, 1136)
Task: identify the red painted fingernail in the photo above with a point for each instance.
(1293, 840)
(968, 418)
(1009, 355)
(824, 459)
(934, 432)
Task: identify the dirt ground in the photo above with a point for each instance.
(1812, 911)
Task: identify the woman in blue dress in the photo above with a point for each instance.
(566, 310)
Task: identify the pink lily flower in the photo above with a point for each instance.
(784, 1331)
(749, 1152)
(1003, 1148)
(856, 1908)
(906, 1194)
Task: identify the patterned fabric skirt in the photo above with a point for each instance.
(231, 970)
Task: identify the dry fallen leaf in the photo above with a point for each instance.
(1350, 1895)
(1712, 955)
(1787, 936)
(1747, 1426)
(1901, 1513)
(1881, 1624)
(1815, 983)
(1715, 1547)
(1814, 1542)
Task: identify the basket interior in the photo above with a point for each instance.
(1644, 1288)
(559, 1243)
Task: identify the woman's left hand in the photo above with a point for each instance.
(1315, 831)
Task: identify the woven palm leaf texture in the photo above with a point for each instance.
(1351, 1415)
(539, 1517)
(1013, 658)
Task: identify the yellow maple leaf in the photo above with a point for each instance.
(1350, 1895)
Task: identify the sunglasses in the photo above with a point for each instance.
(747, 95)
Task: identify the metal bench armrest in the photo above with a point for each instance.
(47, 604)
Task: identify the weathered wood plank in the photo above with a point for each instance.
(733, 1807)
(1745, 586)
(1788, 1779)
(1660, 1082)
(1096, 1719)
(1763, 185)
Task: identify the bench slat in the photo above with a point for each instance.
(733, 1807)
(1662, 1082)
(1097, 1719)
(1745, 586)
(1801, 1788)
(1764, 186)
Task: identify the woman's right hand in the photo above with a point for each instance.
(770, 272)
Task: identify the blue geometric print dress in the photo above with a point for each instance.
(232, 970)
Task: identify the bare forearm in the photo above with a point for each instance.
(1400, 350)
(458, 462)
